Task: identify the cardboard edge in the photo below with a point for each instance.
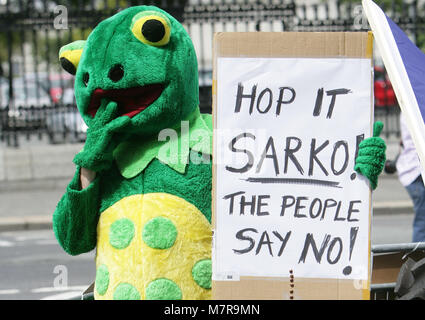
(284, 44)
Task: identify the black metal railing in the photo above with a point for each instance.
(35, 92)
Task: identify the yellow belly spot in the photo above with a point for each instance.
(153, 246)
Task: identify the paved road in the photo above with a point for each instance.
(33, 266)
(392, 228)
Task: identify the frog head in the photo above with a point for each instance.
(143, 59)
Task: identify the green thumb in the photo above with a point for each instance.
(377, 128)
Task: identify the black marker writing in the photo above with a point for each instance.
(264, 102)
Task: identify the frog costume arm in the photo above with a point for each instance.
(76, 216)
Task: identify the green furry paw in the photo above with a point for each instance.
(371, 158)
(97, 154)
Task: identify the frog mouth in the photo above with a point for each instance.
(130, 101)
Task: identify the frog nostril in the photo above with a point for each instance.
(86, 78)
(116, 72)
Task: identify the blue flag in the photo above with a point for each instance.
(414, 63)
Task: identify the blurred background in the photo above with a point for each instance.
(36, 97)
(41, 129)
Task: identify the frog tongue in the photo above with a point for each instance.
(130, 101)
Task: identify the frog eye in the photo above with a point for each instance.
(70, 54)
(152, 29)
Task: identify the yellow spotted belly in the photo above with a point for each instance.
(153, 246)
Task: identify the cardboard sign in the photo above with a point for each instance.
(288, 205)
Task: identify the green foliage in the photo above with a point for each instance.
(4, 39)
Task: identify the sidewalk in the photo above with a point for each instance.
(390, 196)
(29, 203)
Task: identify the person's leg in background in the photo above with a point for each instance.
(416, 191)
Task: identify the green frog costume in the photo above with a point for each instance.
(148, 209)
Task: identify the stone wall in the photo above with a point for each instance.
(38, 162)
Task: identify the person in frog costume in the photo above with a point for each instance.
(147, 212)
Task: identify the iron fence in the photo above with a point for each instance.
(36, 96)
(386, 291)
